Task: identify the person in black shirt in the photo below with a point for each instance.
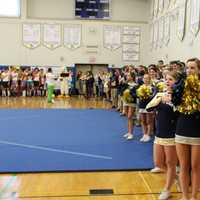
(129, 103)
(164, 144)
(146, 118)
(188, 129)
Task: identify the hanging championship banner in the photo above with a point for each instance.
(155, 34)
(72, 36)
(166, 30)
(161, 32)
(195, 16)
(151, 27)
(166, 5)
(31, 35)
(161, 6)
(172, 4)
(156, 8)
(181, 19)
(112, 37)
(52, 35)
(152, 10)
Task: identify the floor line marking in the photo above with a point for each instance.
(56, 150)
(147, 185)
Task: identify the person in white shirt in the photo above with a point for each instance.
(50, 85)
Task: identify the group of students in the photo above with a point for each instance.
(94, 85)
(166, 98)
(16, 81)
(175, 104)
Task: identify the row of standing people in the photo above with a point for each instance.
(91, 85)
(30, 82)
(177, 134)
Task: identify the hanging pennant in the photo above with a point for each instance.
(172, 4)
(166, 5)
(161, 32)
(161, 6)
(151, 27)
(167, 29)
(152, 10)
(52, 35)
(31, 35)
(156, 8)
(72, 36)
(112, 37)
(195, 17)
(181, 19)
(155, 34)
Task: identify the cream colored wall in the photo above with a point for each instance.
(121, 10)
(43, 11)
(46, 9)
(176, 49)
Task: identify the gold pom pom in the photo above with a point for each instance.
(144, 92)
(191, 96)
(161, 86)
(127, 96)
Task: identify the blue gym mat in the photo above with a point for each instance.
(44, 140)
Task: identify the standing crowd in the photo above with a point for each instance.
(16, 81)
(163, 99)
(166, 101)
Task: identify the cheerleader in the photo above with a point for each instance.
(164, 143)
(145, 93)
(153, 72)
(188, 129)
(129, 103)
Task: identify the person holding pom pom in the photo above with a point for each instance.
(145, 92)
(164, 145)
(187, 138)
(129, 100)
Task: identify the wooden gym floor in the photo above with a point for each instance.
(130, 185)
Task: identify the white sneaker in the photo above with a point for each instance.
(130, 136)
(147, 138)
(142, 139)
(156, 170)
(126, 135)
(164, 195)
